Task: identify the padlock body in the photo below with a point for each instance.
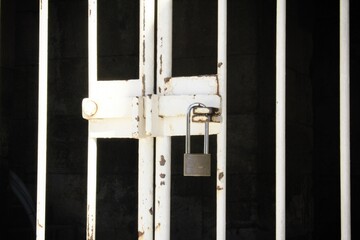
(197, 164)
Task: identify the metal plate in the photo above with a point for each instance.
(197, 165)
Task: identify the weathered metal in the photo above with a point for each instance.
(280, 119)
(345, 172)
(42, 121)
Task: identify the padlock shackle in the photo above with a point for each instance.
(187, 137)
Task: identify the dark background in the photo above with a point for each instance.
(312, 119)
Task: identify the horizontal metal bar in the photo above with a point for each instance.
(171, 106)
(108, 107)
(129, 126)
(203, 85)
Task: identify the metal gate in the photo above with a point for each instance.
(133, 109)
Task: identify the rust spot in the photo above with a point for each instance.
(140, 234)
(143, 54)
(162, 175)
(167, 79)
(151, 211)
(143, 84)
(161, 62)
(162, 160)
(219, 188)
(221, 175)
(162, 183)
(144, 17)
(90, 231)
(41, 226)
(220, 64)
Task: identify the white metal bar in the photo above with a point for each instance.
(163, 144)
(182, 102)
(92, 143)
(221, 137)
(91, 189)
(345, 194)
(162, 188)
(193, 85)
(280, 119)
(164, 44)
(146, 145)
(145, 185)
(92, 46)
(147, 42)
(42, 120)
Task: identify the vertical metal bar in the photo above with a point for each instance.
(163, 144)
(0, 37)
(92, 42)
(162, 188)
(42, 121)
(92, 143)
(91, 189)
(280, 119)
(146, 145)
(221, 137)
(345, 194)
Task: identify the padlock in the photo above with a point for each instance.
(196, 164)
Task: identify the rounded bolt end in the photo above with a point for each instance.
(89, 108)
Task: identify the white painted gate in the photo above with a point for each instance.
(132, 109)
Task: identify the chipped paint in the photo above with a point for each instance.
(219, 188)
(144, 15)
(140, 234)
(143, 84)
(162, 183)
(161, 63)
(220, 64)
(162, 160)
(151, 211)
(162, 175)
(137, 119)
(90, 226)
(158, 227)
(38, 223)
(143, 53)
(221, 175)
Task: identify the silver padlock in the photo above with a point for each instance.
(196, 164)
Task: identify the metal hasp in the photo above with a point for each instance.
(197, 164)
